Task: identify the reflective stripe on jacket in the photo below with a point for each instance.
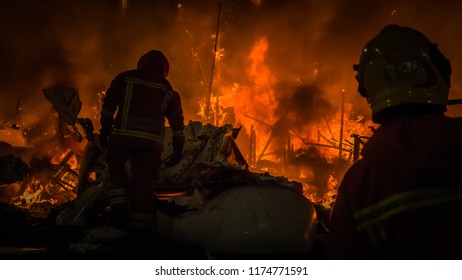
(370, 219)
(141, 103)
(404, 192)
(142, 127)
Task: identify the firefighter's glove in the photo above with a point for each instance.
(175, 158)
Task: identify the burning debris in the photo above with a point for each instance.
(38, 188)
(213, 171)
(276, 155)
(45, 182)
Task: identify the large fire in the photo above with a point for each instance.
(292, 125)
(254, 104)
(278, 136)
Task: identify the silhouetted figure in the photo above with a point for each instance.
(402, 200)
(142, 98)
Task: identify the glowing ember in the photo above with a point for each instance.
(220, 54)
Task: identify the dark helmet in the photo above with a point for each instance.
(401, 66)
(154, 61)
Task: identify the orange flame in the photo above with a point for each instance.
(51, 183)
(253, 105)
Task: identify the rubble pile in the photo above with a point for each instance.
(211, 158)
(212, 186)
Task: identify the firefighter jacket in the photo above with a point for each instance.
(142, 99)
(403, 199)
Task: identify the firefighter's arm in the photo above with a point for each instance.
(108, 109)
(174, 114)
(105, 131)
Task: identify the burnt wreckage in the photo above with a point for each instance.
(211, 203)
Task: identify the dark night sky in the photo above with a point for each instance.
(84, 43)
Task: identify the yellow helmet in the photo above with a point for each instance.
(401, 66)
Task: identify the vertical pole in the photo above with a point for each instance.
(249, 159)
(208, 108)
(340, 144)
(356, 147)
(217, 110)
(270, 138)
(254, 148)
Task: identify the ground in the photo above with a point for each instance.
(23, 238)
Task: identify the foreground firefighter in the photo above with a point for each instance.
(142, 98)
(402, 200)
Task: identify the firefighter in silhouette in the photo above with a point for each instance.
(402, 199)
(134, 137)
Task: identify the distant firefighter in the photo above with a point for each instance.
(403, 199)
(142, 98)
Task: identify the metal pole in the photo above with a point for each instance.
(217, 109)
(340, 144)
(208, 114)
(254, 147)
(249, 159)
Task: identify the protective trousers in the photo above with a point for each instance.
(133, 172)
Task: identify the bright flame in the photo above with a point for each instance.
(31, 193)
(253, 105)
(257, 98)
(254, 99)
(327, 199)
(52, 182)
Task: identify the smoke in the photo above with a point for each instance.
(305, 105)
(355, 22)
(80, 44)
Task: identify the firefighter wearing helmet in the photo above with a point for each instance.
(132, 128)
(403, 198)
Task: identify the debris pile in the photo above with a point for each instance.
(212, 186)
